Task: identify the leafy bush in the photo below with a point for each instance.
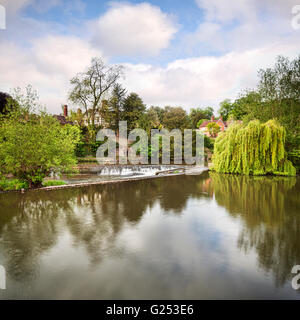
(209, 143)
(50, 183)
(15, 184)
(31, 146)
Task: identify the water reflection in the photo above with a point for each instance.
(165, 232)
(270, 210)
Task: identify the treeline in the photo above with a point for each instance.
(103, 102)
(98, 92)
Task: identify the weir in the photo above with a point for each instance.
(133, 170)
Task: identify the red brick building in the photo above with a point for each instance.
(222, 124)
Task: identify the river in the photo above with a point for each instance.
(182, 237)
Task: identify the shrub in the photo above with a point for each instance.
(14, 184)
(32, 146)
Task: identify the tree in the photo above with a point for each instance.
(4, 99)
(114, 108)
(254, 149)
(159, 111)
(248, 106)
(133, 110)
(213, 129)
(89, 87)
(175, 118)
(197, 114)
(277, 96)
(225, 109)
(149, 120)
(34, 144)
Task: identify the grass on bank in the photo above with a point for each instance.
(15, 184)
(52, 183)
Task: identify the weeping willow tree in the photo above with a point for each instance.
(254, 149)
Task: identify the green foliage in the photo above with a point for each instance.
(213, 129)
(90, 86)
(149, 120)
(160, 112)
(13, 184)
(6, 102)
(34, 144)
(294, 157)
(175, 118)
(276, 97)
(132, 110)
(50, 183)
(197, 114)
(254, 149)
(112, 112)
(248, 106)
(225, 109)
(209, 143)
(200, 122)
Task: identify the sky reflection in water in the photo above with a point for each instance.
(186, 237)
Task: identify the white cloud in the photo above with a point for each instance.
(48, 65)
(203, 81)
(242, 24)
(225, 11)
(15, 5)
(222, 10)
(128, 29)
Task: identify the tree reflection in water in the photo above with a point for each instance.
(269, 208)
(32, 224)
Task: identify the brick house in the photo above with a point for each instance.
(63, 118)
(222, 124)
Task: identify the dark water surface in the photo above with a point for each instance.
(184, 237)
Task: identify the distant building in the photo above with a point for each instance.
(80, 118)
(222, 124)
(63, 118)
(85, 117)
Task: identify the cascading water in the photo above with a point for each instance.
(132, 170)
(119, 172)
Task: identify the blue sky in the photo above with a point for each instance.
(192, 53)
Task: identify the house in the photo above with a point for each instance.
(86, 117)
(63, 118)
(80, 118)
(222, 124)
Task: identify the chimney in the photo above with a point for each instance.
(212, 118)
(65, 111)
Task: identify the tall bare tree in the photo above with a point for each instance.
(89, 87)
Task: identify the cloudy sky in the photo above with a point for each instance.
(191, 53)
